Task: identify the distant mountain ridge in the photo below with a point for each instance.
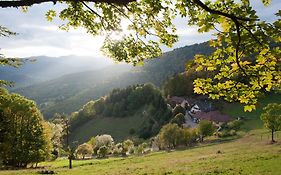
(41, 68)
(68, 93)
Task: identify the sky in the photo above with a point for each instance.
(36, 36)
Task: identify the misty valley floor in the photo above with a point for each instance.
(251, 154)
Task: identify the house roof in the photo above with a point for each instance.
(215, 116)
(176, 99)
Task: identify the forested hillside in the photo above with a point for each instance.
(141, 103)
(68, 93)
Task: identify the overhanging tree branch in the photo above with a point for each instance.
(217, 12)
(21, 3)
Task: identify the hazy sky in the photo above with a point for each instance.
(37, 36)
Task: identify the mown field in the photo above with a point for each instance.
(251, 154)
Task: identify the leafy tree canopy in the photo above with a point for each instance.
(24, 136)
(243, 66)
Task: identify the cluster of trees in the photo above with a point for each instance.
(178, 115)
(24, 135)
(144, 100)
(172, 135)
(102, 146)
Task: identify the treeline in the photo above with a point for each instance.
(144, 100)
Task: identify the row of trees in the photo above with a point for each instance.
(103, 145)
(172, 135)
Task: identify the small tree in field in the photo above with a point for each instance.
(271, 118)
(170, 135)
(84, 149)
(102, 140)
(206, 128)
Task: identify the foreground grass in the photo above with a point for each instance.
(248, 155)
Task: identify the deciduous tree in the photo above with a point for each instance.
(271, 118)
(84, 150)
(205, 128)
(25, 136)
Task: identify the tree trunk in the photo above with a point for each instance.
(272, 136)
(70, 163)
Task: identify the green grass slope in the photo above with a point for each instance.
(252, 118)
(248, 155)
(118, 128)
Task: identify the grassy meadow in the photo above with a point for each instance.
(251, 154)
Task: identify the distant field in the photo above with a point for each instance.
(248, 155)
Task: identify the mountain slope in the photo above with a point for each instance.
(41, 68)
(68, 93)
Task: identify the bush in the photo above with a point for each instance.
(170, 135)
(226, 133)
(189, 136)
(141, 148)
(102, 140)
(178, 119)
(84, 150)
(126, 146)
(178, 110)
(234, 125)
(206, 128)
(102, 151)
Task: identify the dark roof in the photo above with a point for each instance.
(177, 99)
(215, 116)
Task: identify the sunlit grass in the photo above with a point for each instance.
(247, 155)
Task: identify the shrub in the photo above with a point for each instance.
(189, 136)
(102, 151)
(83, 150)
(141, 148)
(234, 125)
(178, 110)
(102, 140)
(170, 135)
(206, 128)
(178, 119)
